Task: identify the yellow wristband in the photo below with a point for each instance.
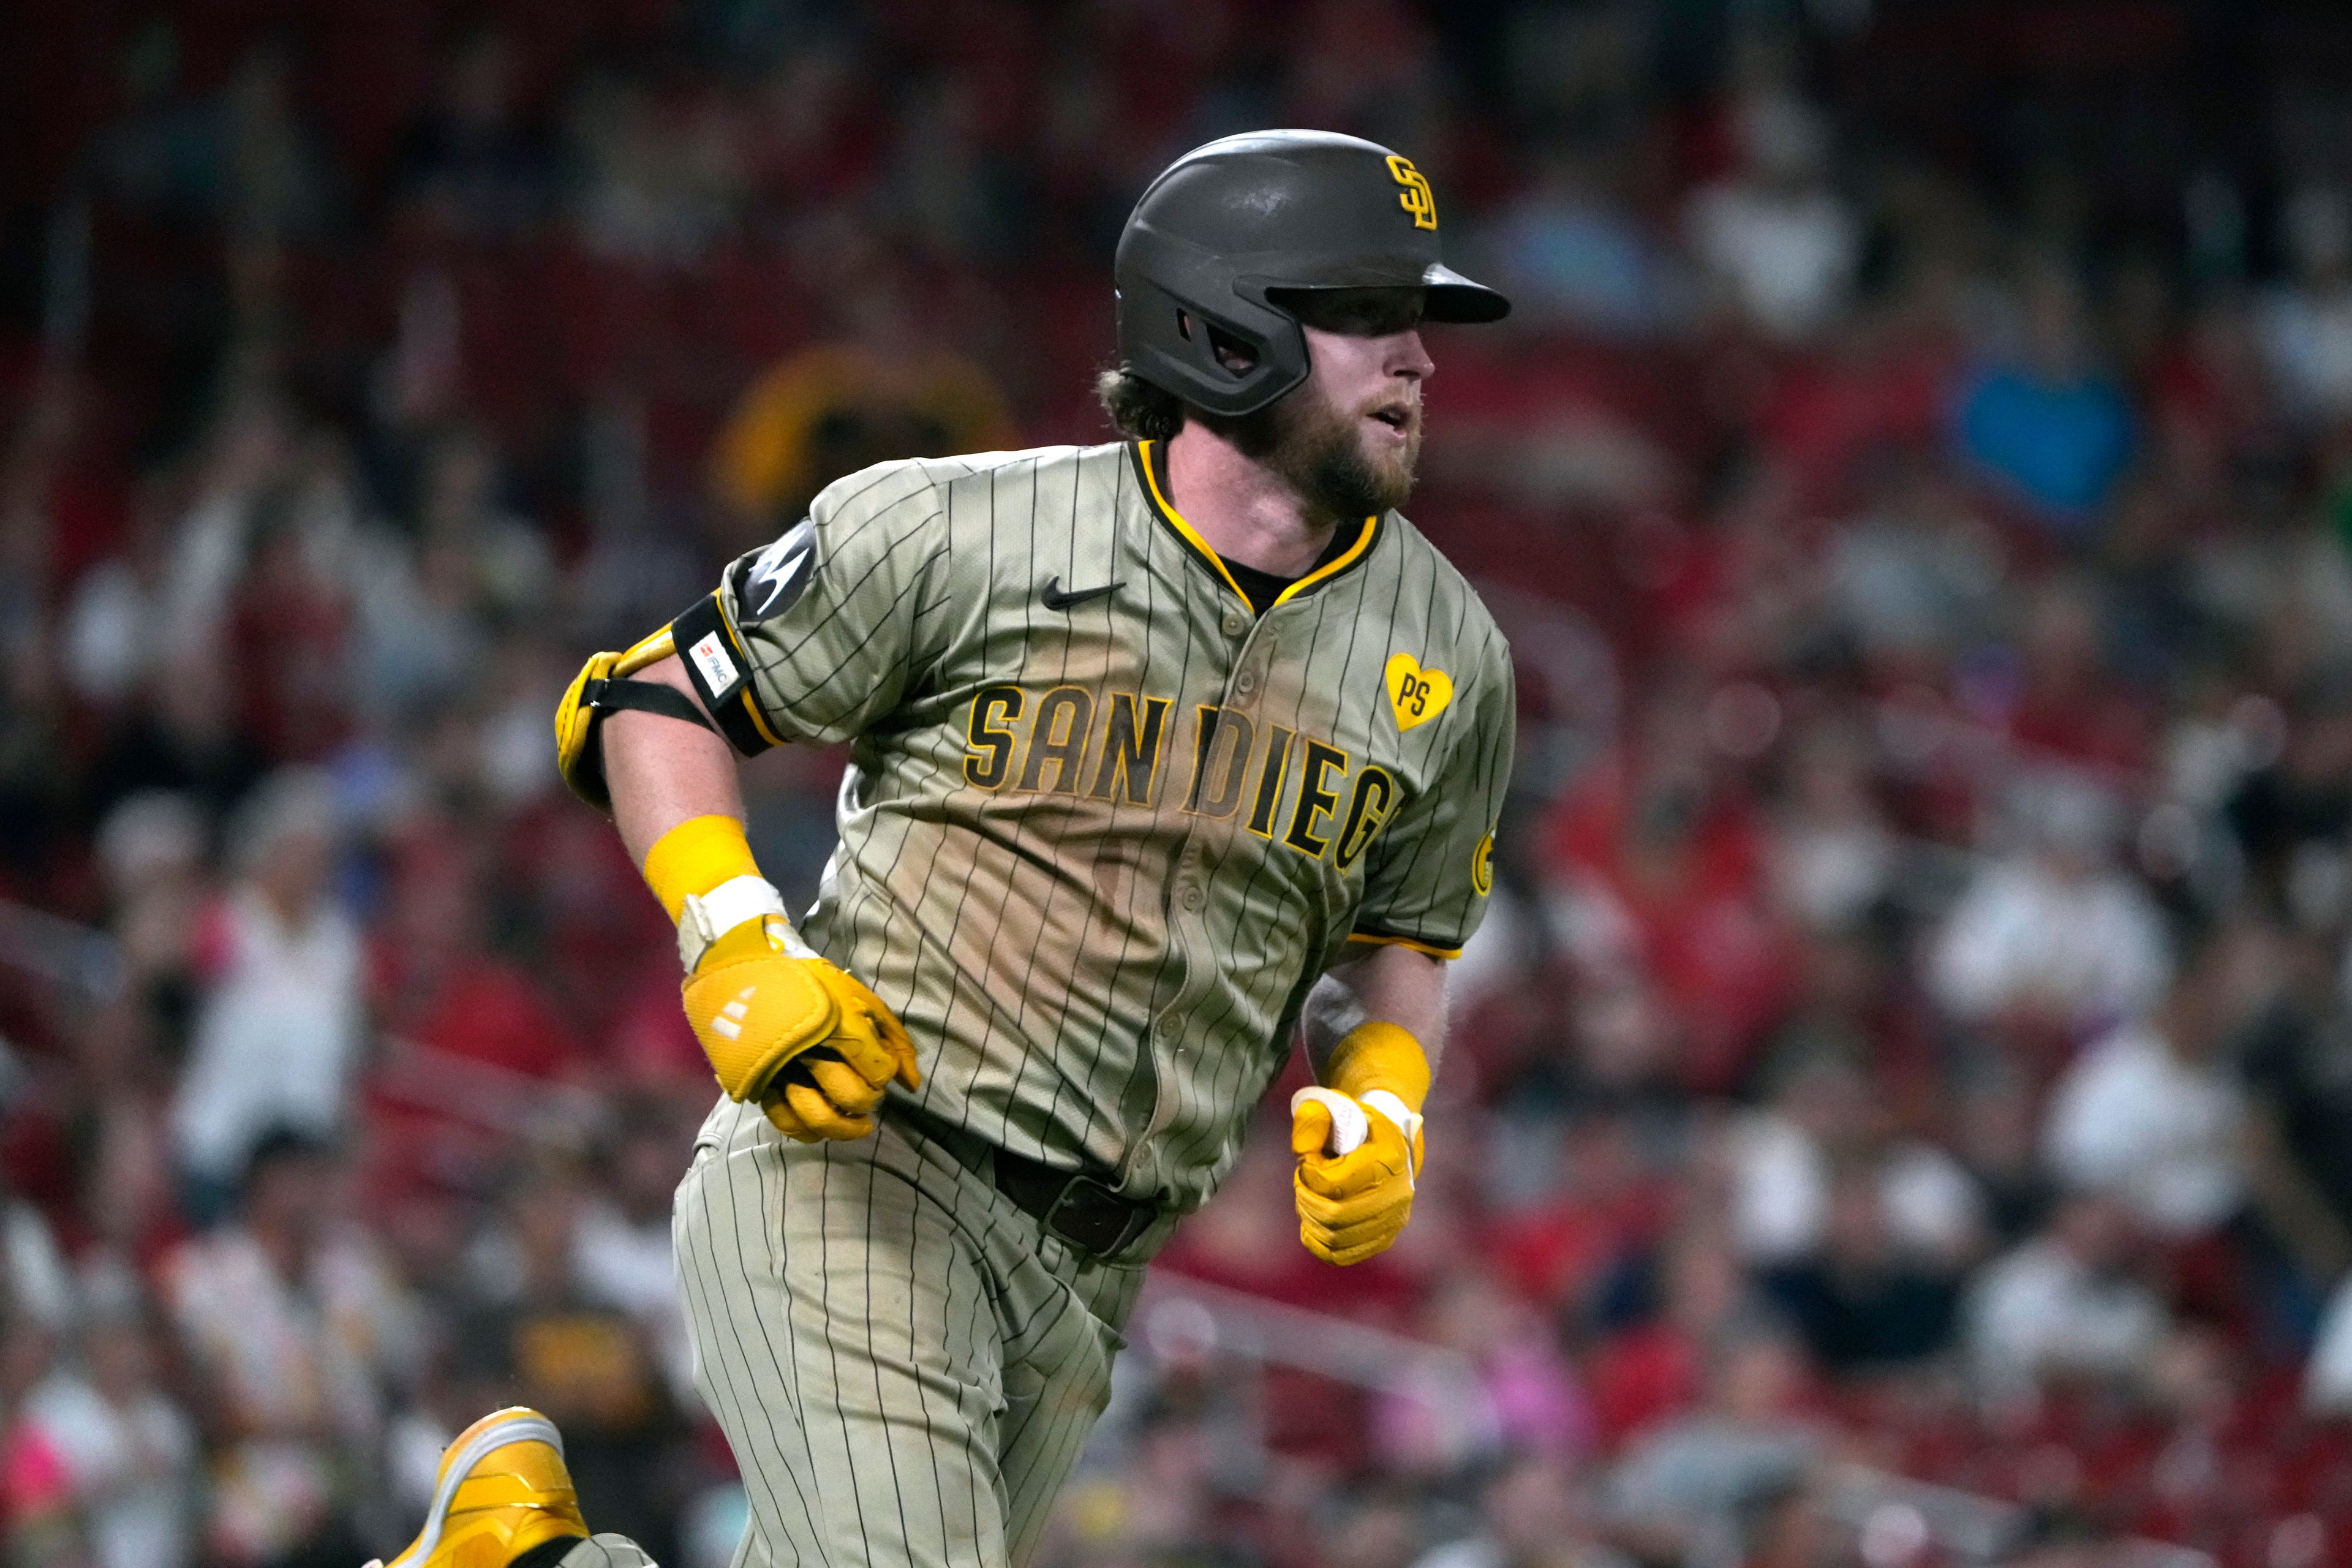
(1377, 1055)
(695, 857)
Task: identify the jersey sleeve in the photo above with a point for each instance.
(815, 637)
(1432, 868)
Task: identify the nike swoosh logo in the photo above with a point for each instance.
(1057, 600)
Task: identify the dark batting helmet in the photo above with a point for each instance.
(1229, 227)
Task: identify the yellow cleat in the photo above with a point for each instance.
(503, 1491)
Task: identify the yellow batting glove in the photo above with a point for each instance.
(781, 1025)
(1357, 1138)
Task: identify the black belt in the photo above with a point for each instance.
(1079, 1208)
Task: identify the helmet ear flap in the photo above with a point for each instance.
(1175, 343)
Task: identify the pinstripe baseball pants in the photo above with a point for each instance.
(906, 1364)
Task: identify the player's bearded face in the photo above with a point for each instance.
(1348, 437)
(1346, 460)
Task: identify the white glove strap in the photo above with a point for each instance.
(708, 916)
(1349, 1124)
(1408, 1122)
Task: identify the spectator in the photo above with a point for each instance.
(1660, 878)
(1652, 1370)
(2070, 708)
(1571, 251)
(429, 600)
(2151, 1115)
(469, 156)
(278, 1033)
(2307, 322)
(125, 1452)
(150, 850)
(1524, 1399)
(35, 1287)
(1995, 1132)
(287, 635)
(828, 410)
(129, 1190)
(440, 981)
(292, 1326)
(1917, 575)
(495, 562)
(1785, 1159)
(533, 1332)
(1787, 1526)
(1834, 852)
(2298, 1102)
(2046, 426)
(1682, 1493)
(2292, 813)
(110, 625)
(2073, 1302)
(656, 188)
(1862, 1304)
(2327, 1383)
(38, 1521)
(625, 1255)
(2052, 935)
(1777, 239)
(278, 182)
(1535, 1512)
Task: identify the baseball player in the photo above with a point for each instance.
(1161, 752)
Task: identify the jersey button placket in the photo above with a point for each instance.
(1191, 898)
(1241, 687)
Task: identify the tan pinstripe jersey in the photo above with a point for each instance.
(1104, 826)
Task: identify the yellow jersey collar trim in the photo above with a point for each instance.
(1185, 530)
(1337, 563)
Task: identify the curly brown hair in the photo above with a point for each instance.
(1138, 410)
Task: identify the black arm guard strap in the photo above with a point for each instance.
(643, 697)
(721, 669)
(578, 749)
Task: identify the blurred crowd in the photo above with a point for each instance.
(1912, 1036)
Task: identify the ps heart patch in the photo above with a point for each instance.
(1417, 695)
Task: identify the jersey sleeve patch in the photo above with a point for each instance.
(773, 581)
(822, 621)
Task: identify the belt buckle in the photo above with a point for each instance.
(1135, 1217)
